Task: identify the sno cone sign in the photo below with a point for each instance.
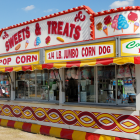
(105, 29)
(136, 26)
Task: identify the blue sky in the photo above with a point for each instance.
(17, 11)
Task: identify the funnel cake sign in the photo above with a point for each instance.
(65, 28)
(127, 22)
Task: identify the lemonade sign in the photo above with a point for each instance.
(130, 47)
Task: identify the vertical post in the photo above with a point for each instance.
(96, 83)
(62, 93)
(137, 69)
(12, 85)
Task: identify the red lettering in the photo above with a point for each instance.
(23, 33)
(37, 29)
(100, 50)
(49, 26)
(108, 49)
(4, 61)
(28, 58)
(72, 28)
(54, 27)
(66, 30)
(86, 51)
(93, 51)
(60, 24)
(82, 52)
(8, 60)
(77, 32)
(11, 41)
(17, 60)
(15, 38)
(104, 50)
(7, 46)
(19, 36)
(23, 59)
(27, 32)
(34, 58)
(76, 52)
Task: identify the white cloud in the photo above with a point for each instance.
(123, 3)
(50, 10)
(28, 8)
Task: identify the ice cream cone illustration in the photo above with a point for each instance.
(105, 29)
(136, 26)
(26, 44)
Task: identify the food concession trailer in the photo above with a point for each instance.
(73, 74)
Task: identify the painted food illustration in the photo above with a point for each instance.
(136, 26)
(105, 29)
(122, 23)
(132, 17)
(18, 47)
(99, 26)
(37, 41)
(108, 20)
(47, 40)
(26, 44)
(60, 39)
(115, 23)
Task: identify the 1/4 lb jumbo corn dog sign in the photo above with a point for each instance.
(66, 28)
(91, 51)
(21, 59)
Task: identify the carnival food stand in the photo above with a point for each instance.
(73, 74)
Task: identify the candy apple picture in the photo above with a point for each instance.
(47, 40)
(132, 17)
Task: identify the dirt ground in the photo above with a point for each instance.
(15, 134)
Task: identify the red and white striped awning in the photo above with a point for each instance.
(108, 61)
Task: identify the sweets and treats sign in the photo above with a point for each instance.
(83, 52)
(130, 47)
(127, 22)
(66, 28)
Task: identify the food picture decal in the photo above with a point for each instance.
(117, 23)
(130, 47)
(80, 52)
(66, 28)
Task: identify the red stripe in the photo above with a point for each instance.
(24, 68)
(75, 63)
(92, 136)
(66, 134)
(104, 61)
(117, 138)
(137, 60)
(9, 69)
(47, 66)
(45, 130)
(10, 123)
(26, 127)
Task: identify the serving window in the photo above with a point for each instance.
(5, 85)
(38, 85)
(110, 84)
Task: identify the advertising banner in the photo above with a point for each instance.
(130, 47)
(20, 59)
(127, 22)
(66, 28)
(89, 51)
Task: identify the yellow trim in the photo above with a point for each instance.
(101, 43)
(104, 137)
(33, 63)
(18, 125)
(35, 128)
(125, 41)
(123, 60)
(2, 69)
(55, 132)
(4, 122)
(78, 135)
